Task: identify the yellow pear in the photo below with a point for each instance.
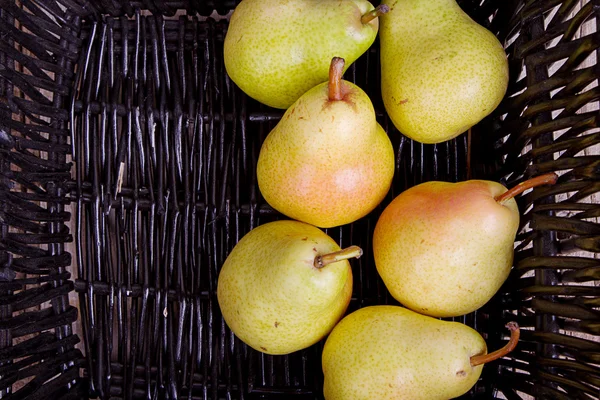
(444, 249)
(391, 353)
(441, 72)
(276, 50)
(327, 162)
(284, 286)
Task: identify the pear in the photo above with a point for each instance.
(276, 50)
(441, 72)
(389, 352)
(327, 162)
(284, 286)
(444, 249)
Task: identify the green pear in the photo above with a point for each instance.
(327, 162)
(284, 286)
(276, 50)
(391, 353)
(444, 249)
(441, 72)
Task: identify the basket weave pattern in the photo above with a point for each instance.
(38, 52)
(118, 121)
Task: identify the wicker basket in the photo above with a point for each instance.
(127, 174)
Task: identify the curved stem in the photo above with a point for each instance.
(336, 70)
(546, 179)
(515, 333)
(344, 254)
(377, 12)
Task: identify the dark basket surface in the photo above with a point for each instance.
(127, 171)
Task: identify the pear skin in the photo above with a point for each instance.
(271, 294)
(441, 72)
(327, 162)
(444, 249)
(276, 50)
(390, 353)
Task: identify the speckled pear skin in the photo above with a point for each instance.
(444, 249)
(391, 353)
(271, 295)
(276, 50)
(441, 72)
(327, 163)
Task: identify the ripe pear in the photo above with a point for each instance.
(441, 72)
(276, 50)
(444, 249)
(284, 286)
(389, 353)
(327, 162)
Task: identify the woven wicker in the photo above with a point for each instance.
(128, 157)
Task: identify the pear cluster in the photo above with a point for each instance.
(286, 285)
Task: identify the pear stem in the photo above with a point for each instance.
(377, 12)
(515, 333)
(546, 179)
(336, 70)
(344, 254)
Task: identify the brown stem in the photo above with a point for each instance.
(336, 70)
(344, 254)
(546, 179)
(377, 12)
(515, 333)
